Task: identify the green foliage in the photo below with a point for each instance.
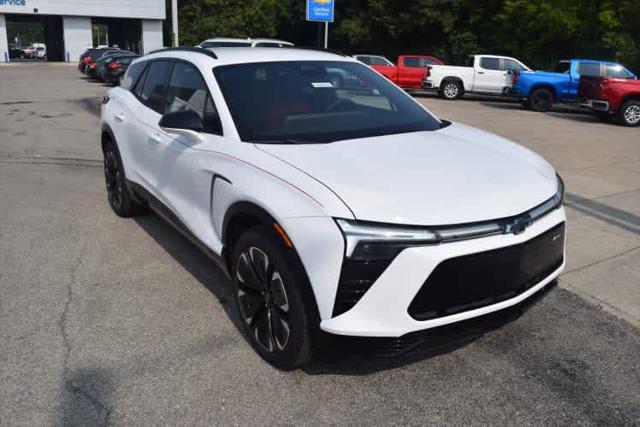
(540, 32)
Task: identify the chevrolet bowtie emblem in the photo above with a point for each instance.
(517, 226)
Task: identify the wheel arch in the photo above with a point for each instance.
(544, 86)
(630, 97)
(243, 215)
(448, 79)
(106, 135)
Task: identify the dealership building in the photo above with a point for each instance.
(69, 27)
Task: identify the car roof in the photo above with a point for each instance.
(240, 55)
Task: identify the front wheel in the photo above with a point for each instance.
(629, 113)
(451, 90)
(273, 298)
(540, 100)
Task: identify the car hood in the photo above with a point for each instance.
(455, 175)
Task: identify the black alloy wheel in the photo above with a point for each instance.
(264, 304)
(541, 100)
(273, 298)
(113, 179)
(121, 201)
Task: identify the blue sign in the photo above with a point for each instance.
(320, 10)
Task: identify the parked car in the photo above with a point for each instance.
(230, 42)
(484, 74)
(116, 68)
(102, 63)
(353, 212)
(409, 72)
(94, 67)
(615, 93)
(92, 55)
(539, 90)
(41, 52)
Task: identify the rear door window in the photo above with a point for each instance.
(188, 91)
(490, 63)
(412, 62)
(155, 83)
(591, 69)
(428, 61)
(365, 60)
(511, 65)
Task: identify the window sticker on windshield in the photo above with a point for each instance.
(376, 92)
(322, 84)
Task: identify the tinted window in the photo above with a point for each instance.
(316, 101)
(154, 85)
(412, 62)
(188, 91)
(589, 69)
(134, 72)
(365, 59)
(376, 60)
(429, 61)
(511, 65)
(617, 71)
(490, 63)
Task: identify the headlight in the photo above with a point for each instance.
(370, 241)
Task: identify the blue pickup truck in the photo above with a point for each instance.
(539, 90)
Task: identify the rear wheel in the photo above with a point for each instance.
(451, 89)
(120, 199)
(629, 113)
(273, 298)
(540, 100)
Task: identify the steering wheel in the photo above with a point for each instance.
(340, 105)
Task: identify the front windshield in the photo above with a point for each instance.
(316, 102)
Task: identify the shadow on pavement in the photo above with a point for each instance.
(620, 218)
(364, 356)
(193, 260)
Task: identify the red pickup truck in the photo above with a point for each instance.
(409, 73)
(616, 94)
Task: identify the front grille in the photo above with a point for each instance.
(477, 280)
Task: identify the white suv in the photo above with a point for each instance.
(350, 210)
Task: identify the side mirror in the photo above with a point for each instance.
(187, 123)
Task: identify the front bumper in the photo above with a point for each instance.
(383, 311)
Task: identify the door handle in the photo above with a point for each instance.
(155, 137)
(119, 117)
(480, 72)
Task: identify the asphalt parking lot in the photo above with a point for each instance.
(111, 321)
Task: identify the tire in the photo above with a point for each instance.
(451, 90)
(540, 100)
(120, 199)
(279, 316)
(629, 113)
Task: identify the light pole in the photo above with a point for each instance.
(174, 22)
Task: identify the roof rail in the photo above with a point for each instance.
(194, 49)
(318, 49)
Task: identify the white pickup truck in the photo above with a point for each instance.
(485, 74)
